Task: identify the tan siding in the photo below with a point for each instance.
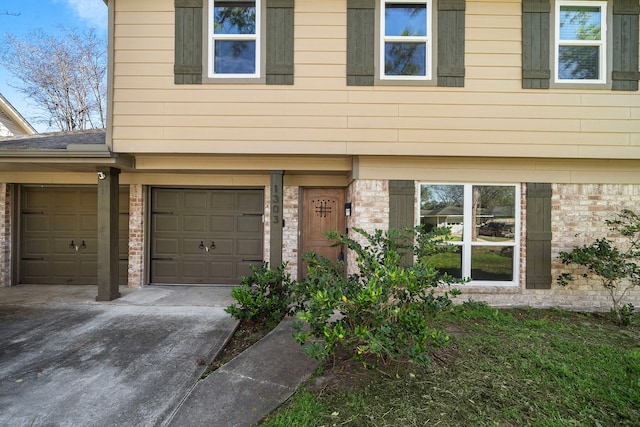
(490, 116)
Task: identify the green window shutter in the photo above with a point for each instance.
(360, 42)
(187, 68)
(536, 71)
(538, 236)
(279, 43)
(401, 208)
(625, 73)
(451, 21)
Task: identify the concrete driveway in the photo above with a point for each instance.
(66, 360)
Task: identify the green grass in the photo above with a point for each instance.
(502, 368)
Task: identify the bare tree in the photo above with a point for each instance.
(64, 74)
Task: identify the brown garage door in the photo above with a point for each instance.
(205, 235)
(59, 235)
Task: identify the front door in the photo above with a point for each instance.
(322, 211)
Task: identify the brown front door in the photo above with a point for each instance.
(322, 211)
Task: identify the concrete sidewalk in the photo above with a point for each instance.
(249, 387)
(67, 360)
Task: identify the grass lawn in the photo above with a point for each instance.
(502, 368)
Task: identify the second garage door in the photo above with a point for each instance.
(208, 236)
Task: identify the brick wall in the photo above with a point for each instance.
(369, 210)
(135, 271)
(5, 235)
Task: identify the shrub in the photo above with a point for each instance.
(615, 266)
(381, 311)
(263, 296)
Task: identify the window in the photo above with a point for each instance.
(484, 223)
(405, 40)
(580, 44)
(234, 42)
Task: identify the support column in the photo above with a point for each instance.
(108, 195)
(277, 220)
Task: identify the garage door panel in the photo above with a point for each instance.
(37, 199)
(165, 223)
(167, 200)
(194, 223)
(195, 200)
(88, 223)
(34, 223)
(249, 248)
(191, 247)
(249, 224)
(251, 201)
(194, 269)
(222, 200)
(165, 247)
(222, 223)
(222, 270)
(223, 247)
(64, 223)
(36, 246)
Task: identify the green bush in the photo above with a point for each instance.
(383, 310)
(263, 296)
(614, 263)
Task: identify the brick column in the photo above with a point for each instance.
(135, 270)
(5, 234)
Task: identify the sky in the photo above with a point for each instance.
(20, 17)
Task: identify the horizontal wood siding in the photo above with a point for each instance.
(491, 116)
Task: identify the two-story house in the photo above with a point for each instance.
(252, 126)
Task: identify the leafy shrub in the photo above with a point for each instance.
(263, 296)
(382, 310)
(615, 266)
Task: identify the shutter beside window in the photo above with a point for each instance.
(187, 68)
(536, 71)
(451, 21)
(625, 73)
(401, 208)
(360, 42)
(279, 43)
(538, 236)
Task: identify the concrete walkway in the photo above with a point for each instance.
(67, 360)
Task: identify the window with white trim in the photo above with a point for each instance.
(234, 38)
(484, 220)
(405, 40)
(580, 41)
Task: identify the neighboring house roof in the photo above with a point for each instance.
(77, 150)
(12, 122)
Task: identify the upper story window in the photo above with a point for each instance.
(234, 41)
(406, 40)
(581, 42)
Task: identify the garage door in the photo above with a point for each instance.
(59, 235)
(205, 235)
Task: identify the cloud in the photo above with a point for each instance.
(93, 12)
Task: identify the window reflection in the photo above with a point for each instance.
(443, 206)
(492, 263)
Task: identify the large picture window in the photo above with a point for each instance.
(234, 45)
(580, 46)
(406, 40)
(484, 223)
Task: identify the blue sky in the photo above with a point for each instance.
(47, 15)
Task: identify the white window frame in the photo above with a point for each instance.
(212, 37)
(601, 44)
(467, 244)
(427, 40)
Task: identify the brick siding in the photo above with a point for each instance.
(5, 235)
(135, 270)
